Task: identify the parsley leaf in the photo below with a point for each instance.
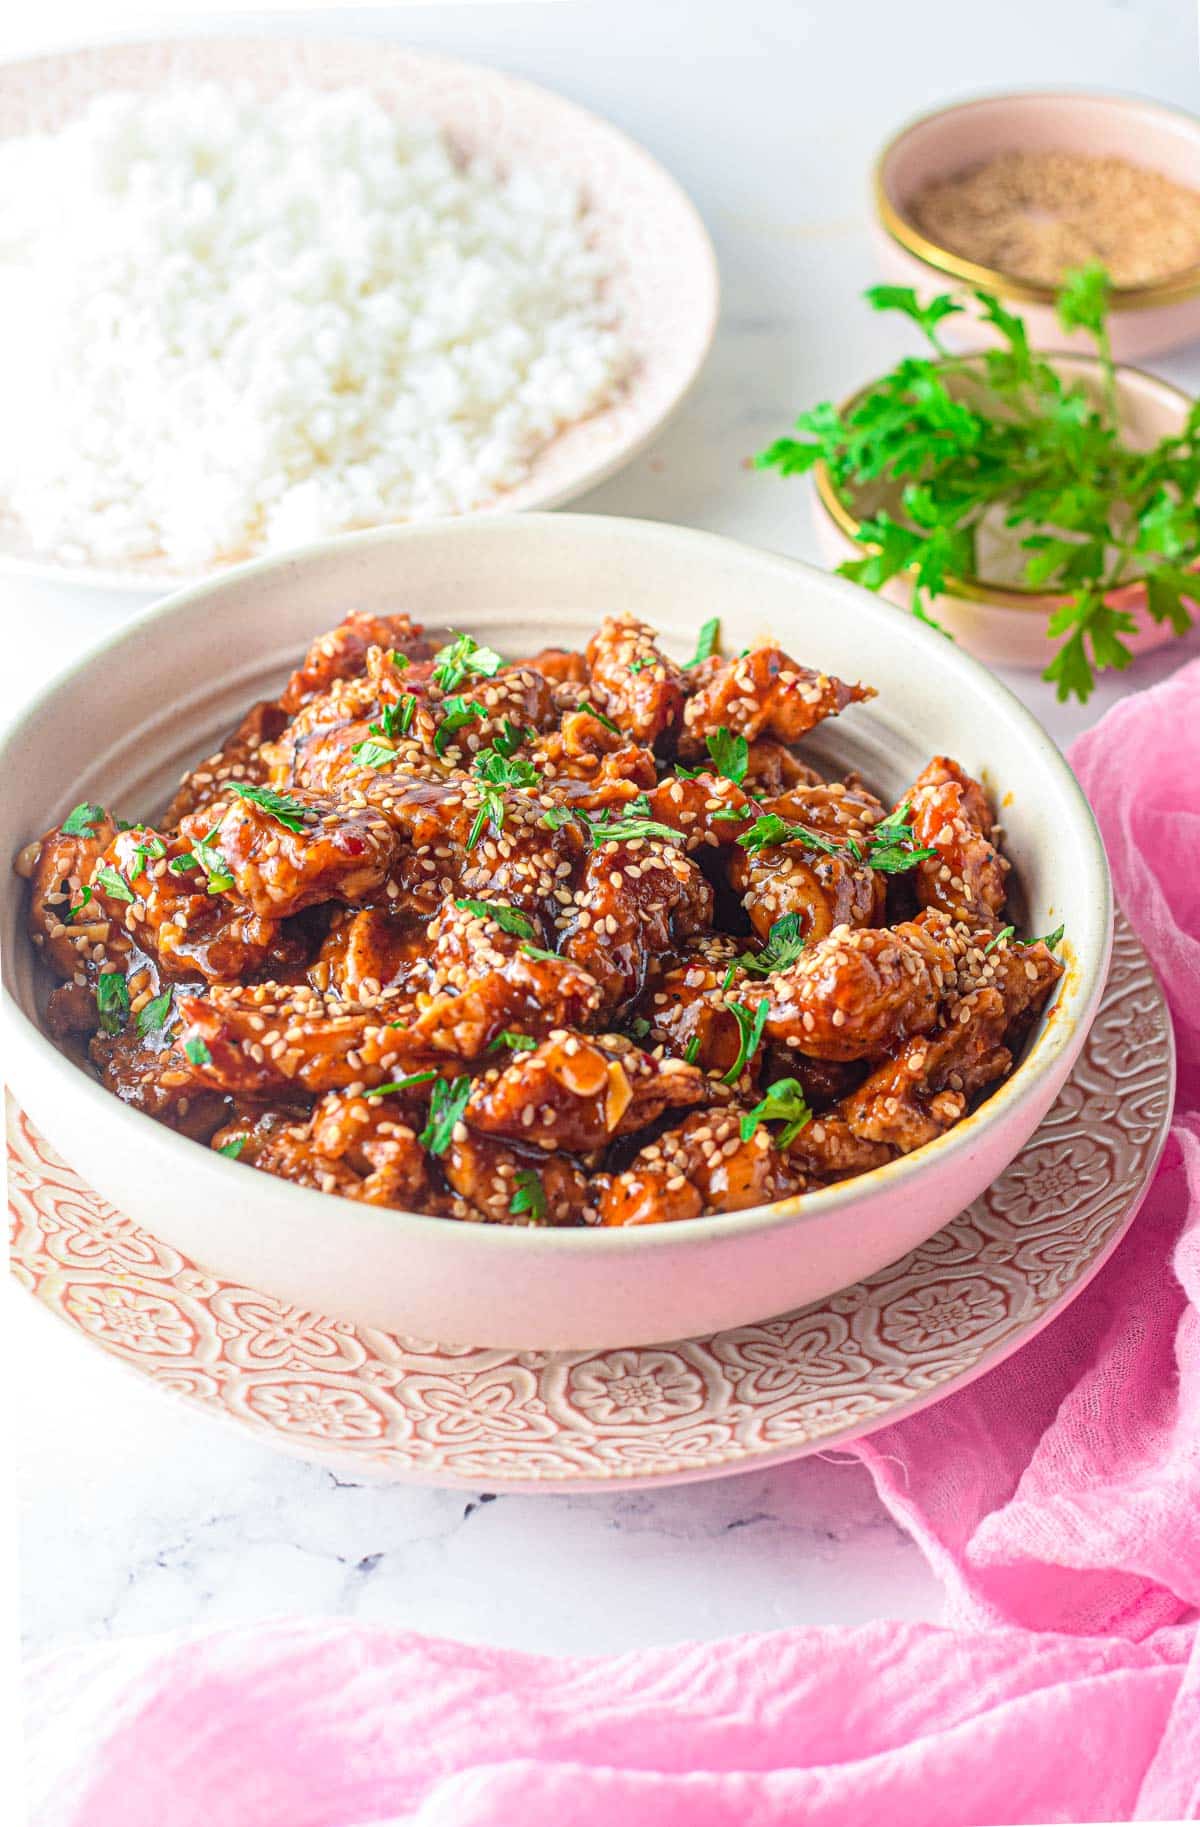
(530, 1195)
(750, 1031)
(784, 1103)
(81, 820)
(785, 942)
(462, 655)
(555, 817)
(458, 713)
(197, 1051)
(113, 884)
(508, 919)
(112, 1001)
(892, 848)
(516, 1043)
(287, 812)
(639, 1027)
(153, 1016)
(730, 754)
(706, 642)
(446, 1106)
(625, 830)
(536, 951)
(401, 1084)
(231, 1150)
(691, 1052)
(585, 704)
(769, 830)
(1006, 932)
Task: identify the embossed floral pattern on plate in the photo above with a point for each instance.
(385, 1406)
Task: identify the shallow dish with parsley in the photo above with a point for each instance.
(625, 878)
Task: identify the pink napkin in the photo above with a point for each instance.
(1059, 1498)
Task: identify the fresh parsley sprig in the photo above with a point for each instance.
(462, 655)
(785, 942)
(287, 812)
(954, 438)
(784, 1103)
(530, 1196)
(706, 642)
(751, 1023)
(508, 919)
(446, 1106)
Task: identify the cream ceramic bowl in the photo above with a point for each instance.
(121, 725)
(1005, 625)
(1146, 319)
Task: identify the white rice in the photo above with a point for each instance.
(232, 325)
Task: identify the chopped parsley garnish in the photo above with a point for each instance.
(730, 754)
(149, 849)
(691, 1052)
(706, 642)
(287, 812)
(785, 942)
(769, 829)
(113, 884)
(197, 1051)
(373, 751)
(750, 1031)
(1049, 940)
(459, 712)
(733, 812)
(508, 919)
(213, 863)
(784, 1103)
(400, 660)
(153, 1016)
(401, 1084)
(639, 1027)
(636, 666)
(446, 1106)
(508, 741)
(585, 704)
(530, 1195)
(80, 905)
(558, 816)
(497, 771)
(397, 718)
(891, 848)
(535, 951)
(516, 1043)
(231, 1150)
(81, 820)
(112, 1001)
(458, 657)
(625, 830)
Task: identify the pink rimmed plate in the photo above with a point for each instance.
(378, 1405)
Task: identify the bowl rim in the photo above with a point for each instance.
(1085, 975)
(1173, 289)
(1019, 597)
(43, 567)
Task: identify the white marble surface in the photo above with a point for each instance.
(136, 1514)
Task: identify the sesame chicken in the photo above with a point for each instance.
(762, 693)
(578, 939)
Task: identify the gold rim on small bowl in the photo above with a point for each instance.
(1169, 290)
(977, 589)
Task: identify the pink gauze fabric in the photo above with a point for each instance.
(1058, 1497)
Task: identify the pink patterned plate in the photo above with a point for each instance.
(664, 272)
(381, 1405)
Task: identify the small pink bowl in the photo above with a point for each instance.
(1146, 319)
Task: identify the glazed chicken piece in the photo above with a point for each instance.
(761, 693)
(708, 810)
(772, 768)
(303, 849)
(828, 1150)
(177, 918)
(492, 1176)
(240, 757)
(362, 1148)
(950, 814)
(560, 665)
(636, 685)
(367, 950)
(858, 994)
(263, 1037)
(703, 1166)
(247, 1133)
(152, 1075)
(927, 1087)
(686, 1003)
(69, 927)
(635, 899)
(588, 782)
(826, 891)
(578, 1093)
(523, 863)
(342, 653)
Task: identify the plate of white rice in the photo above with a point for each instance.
(263, 291)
